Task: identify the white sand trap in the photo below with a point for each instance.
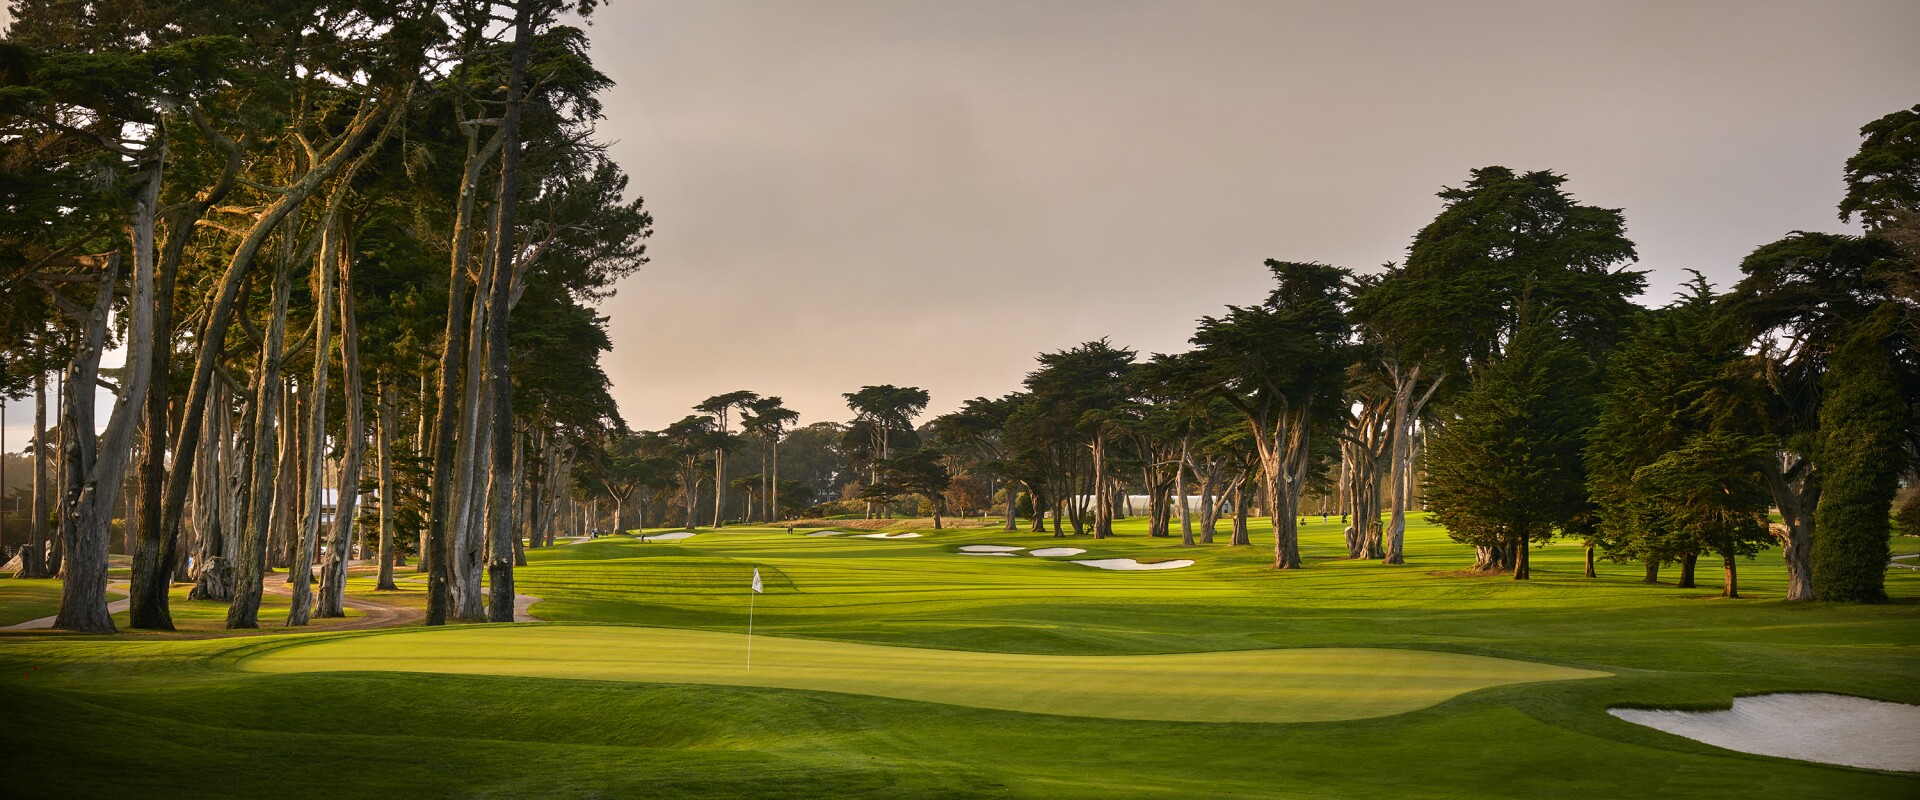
(826, 533)
(986, 554)
(1827, 728)
(889, 536)
(989, 548)
(667, 537)
(1130, 564)
(1049, 552)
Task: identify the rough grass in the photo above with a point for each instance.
(153, 717)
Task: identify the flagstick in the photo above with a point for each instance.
(750, 600)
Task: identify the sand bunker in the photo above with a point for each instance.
(989, 548)
(1826, 728)
(986, 554)
(889, 536)
(667, 537)
(826, 533)
(1130, 564)
(1048, 552)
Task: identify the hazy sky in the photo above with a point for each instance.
(932, 193)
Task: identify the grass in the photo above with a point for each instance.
(1289, 685)
(24, 599)
(169, 716)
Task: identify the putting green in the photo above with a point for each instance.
(1284, 685)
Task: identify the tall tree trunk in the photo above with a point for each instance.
(360, 129)
(473, 448)
(157, 554)
(1796, 492)
(522, 512)
(300, 571)
(1522, 562)
(244, 611)
(1209, 515)
(719, 478)
(1406, 413)
(33, 560)
(773, 486)
(333, 573)
(152, 554)
(1102, 501)
(500, 501)
(1240, 533)
(1283, 456)
(389, 499)
(1180, 494)
(1653, 571)
(213, 570)
(534, 489)
(1590, 571)
(1687, 563)
(287, 506)
(620, 512)
(421, 447)
(1730, 578)
(94, 489)
(442, 506)
(57, 542)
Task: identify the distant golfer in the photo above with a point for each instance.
(789, 529)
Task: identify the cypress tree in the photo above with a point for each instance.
(1504, 469)
(1861, 423)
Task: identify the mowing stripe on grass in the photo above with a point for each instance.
(1285, 685)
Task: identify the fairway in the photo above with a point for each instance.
(1292, 685)
(899, 668)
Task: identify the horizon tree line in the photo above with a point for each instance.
(1506, 356)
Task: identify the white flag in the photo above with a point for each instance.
(756, 582)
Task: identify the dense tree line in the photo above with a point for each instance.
(333, 237)
(309, 226)
(1502, 369)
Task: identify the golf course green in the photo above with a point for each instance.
(902, 668)
(1293, 685)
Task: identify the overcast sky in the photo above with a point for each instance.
(931, 193)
